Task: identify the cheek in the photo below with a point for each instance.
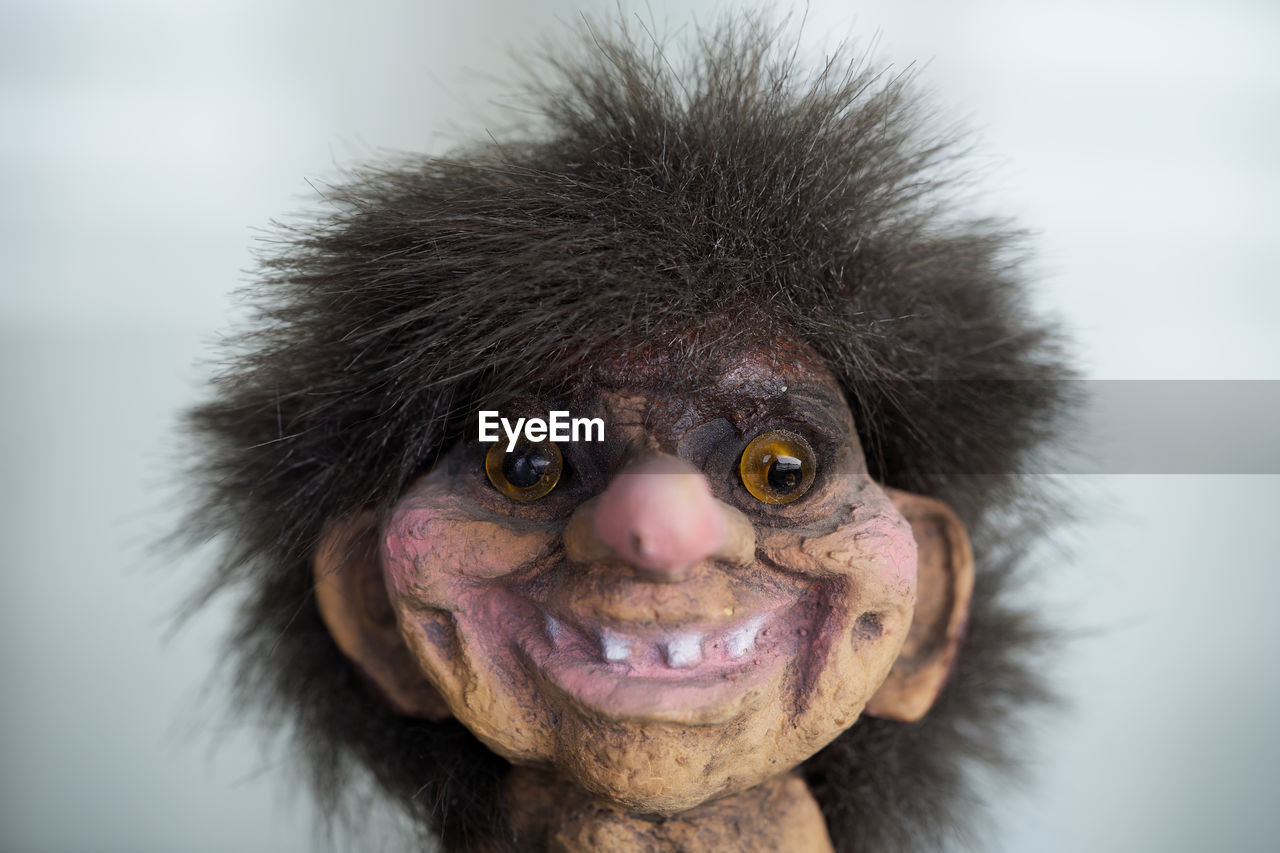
(434, 546)
(889, 549)
(875, 547)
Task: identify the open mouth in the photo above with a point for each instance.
(698, 671)
(689, 675)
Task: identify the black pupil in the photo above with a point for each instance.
(524, 466)
(785, 473)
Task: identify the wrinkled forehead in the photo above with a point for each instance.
(673, 388)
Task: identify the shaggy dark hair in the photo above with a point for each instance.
(649, 197)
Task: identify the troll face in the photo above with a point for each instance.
(697, 603)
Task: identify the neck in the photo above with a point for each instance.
(549, 813)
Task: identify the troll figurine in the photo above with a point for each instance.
(761, 606)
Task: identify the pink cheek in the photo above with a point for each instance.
(436, 550)
(895, 562)
(413, 541)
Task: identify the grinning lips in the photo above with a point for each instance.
(697, 672)
(680, 654)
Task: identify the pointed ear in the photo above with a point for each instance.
(944, 589)
(354, 605)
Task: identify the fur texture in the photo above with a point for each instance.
(649, 197)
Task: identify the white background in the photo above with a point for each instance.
(146, 143)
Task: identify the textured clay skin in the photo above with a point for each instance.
(658, 692)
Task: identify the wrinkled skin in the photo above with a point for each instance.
(659, 683)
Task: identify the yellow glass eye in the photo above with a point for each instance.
(778, 467)
(526, 473)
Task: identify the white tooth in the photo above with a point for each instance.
(616, 647)
(740, 640)
(683, 650)
(554, 630)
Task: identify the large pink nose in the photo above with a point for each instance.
(660, 517)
